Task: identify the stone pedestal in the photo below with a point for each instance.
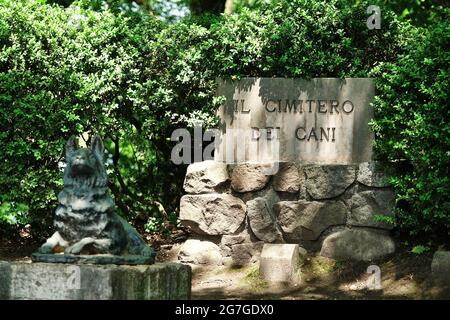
(280, 262)
(131, 260)
(47, 281)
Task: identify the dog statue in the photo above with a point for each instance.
(85, 219)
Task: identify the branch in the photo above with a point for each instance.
(125, 189)
(116, 192)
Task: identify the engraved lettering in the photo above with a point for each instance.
(349, 107)
(297, 133)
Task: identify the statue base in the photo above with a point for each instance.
(57, 281)
(93, 259)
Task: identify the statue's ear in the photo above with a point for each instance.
(97, 147)
(71, 146)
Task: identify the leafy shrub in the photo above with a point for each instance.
(302, 38)
(158, 224)
(67, 72)
(420, 249)
(12, 214)
(411, 125)
(72, 71)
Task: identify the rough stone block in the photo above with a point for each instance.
(440, 268)
(365, 205)
(48, 281)
(306, 220)
(200, 252)
(212, 214)
(372, 174)
(205, 177)
(288, 179)
(229, 240)
(249, 177)
(325, 182)
(262, 219)
(357, 244)
(279, 262)
(245, 253)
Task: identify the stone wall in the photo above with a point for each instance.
(233, 210)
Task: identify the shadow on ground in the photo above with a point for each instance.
(404, 276)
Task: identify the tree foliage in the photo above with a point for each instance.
(134, 79)
(411, 125)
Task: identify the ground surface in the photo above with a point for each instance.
(404, 276)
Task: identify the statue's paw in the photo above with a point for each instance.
(75, 249)
(46, 248)
(147, 252)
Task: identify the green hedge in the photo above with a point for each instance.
(305, 39)
(412, 128)
(134, 79)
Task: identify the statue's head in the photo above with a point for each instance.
(84, 161)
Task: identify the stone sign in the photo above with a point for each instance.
(292, 166)
(322, 121)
